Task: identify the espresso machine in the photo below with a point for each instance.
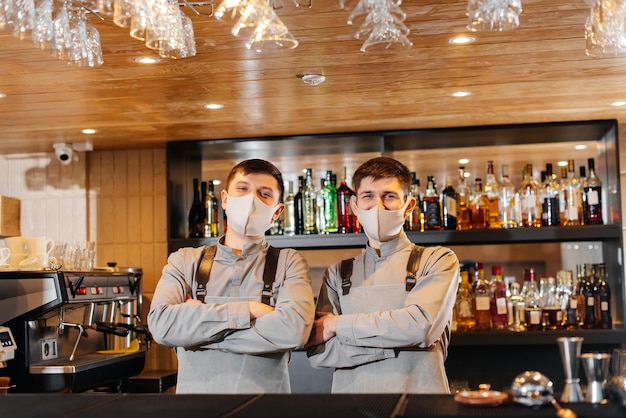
(74, 331)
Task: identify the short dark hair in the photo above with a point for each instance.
(381, 168)
(256, 165)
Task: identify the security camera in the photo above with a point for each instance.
(63, 152)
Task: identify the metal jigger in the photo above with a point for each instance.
(570, 352)
(596, 367)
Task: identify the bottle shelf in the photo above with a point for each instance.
(591, 336)
(470, 237)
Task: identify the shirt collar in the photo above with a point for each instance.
(389, 247)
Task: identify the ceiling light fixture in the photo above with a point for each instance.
(147, 60)
(213, 106)
(464, 161)
(461, 94)
(89, 131)
(2, 95)
(462, 40)
(619, 103)
(580, 147)
(313, 79)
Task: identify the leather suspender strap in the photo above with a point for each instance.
(204, 269)
(412, 266)
(346, 272)
(269, 274)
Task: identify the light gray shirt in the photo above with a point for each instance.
(219, 349)
(386, 335)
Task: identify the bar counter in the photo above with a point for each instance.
(273, 406)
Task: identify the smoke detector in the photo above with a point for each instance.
(313, 79)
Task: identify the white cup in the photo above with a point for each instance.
(29, 263)
(42, 259)
(15, 259)
(39, 245)
(4, 255)
(17, 245)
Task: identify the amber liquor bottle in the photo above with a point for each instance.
(482, 305)
(497, 299)
(479, 206)
(588, 293)
(602, 298)
(464, 305)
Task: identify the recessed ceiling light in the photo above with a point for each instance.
(580, 147)
(562, 163)
(2, 95)
(147, 60)
(463, 161)
(461, 94)
(213, 106)
(619, 103)
(462, 40)
(89, 131)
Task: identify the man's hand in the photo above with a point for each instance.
(192, 301)
(323, 328)
(258, 309)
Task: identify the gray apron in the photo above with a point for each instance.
(411, 371)
(213, 371)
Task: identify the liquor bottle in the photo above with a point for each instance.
(345, 218)
(330, 204)
(432, 208)
(508, 216)
(582, 178)
(593, 194)
(414, 220)
(482, 303)
(196, 213)
(497, 299)
(580, 297)
(320, 220)
(492, 191)
(212, 223)
(532, 301)
(552, 314)
(516, 309)
(479, 206)
(204, 186)
(588, 292)
(289, 220)
(464, 192)
(572, 193)
(449, 206)
(299, 207)
(562, 183)
(569, 301)
(530, 212)
(309, 203)
(464, 305)
(602, 299)
(549, 198)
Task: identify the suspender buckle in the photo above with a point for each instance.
(267, 294)
(200, 294)
(345, 285)
(410, 282)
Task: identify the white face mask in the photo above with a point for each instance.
(249, 215)
(381, 224)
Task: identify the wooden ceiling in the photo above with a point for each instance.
(536, 73)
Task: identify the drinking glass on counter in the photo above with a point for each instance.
(78, 256)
